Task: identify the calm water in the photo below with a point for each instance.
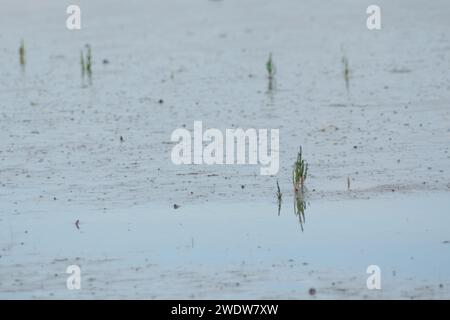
(405, 235)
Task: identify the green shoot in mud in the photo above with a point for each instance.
(300, 172)
(86, 62)
(22, 54)
(346, 71)
(89, 60)
(279, 197)
(271, 70)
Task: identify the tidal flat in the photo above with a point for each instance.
(86, 176)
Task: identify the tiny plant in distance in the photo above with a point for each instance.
(86, 62)
(271, 70)
(346, 70)
(22, 53)
(89, 60)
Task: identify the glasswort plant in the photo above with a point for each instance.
(22, 53)
(89, 60)
(300, 172)
(86, 62)
(346, 71)
(271, 70)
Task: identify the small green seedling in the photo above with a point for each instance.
(346, 71)
(271, 70)
(86, 62)
(22, 54)
(89, 60)
(300, 172)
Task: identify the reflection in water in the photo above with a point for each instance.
(299, 205)
(279, 207)
(270, 95)
(300, 208)
(279, 197)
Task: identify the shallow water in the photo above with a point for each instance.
(198, 247)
